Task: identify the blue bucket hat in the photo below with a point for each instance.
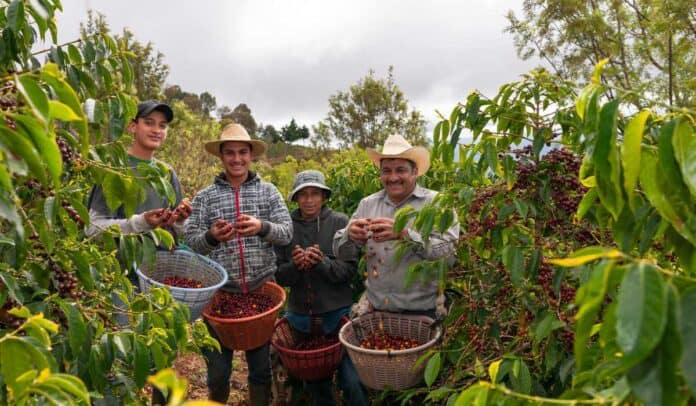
(309, 178)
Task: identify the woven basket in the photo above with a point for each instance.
(184, 264)
(308, 365)
(382, 369)
(248, 332)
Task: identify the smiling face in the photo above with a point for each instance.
(310, 199)
(398, 178)
(236, 157)
(149, 133)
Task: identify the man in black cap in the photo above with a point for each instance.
(149, 130)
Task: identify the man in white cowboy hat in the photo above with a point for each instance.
(236, 221)
(372, 226)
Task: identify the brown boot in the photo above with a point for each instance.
(260, 395)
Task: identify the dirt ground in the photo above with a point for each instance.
(192, 367)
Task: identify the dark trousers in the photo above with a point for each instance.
(353, 392)
(220, 368)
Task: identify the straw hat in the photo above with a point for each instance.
(396, 147)
(235, 132)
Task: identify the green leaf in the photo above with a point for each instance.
(585, 94)
(75, 55)
(606, 160)
(630, 154)
(446, 221)
(589, 299)
(687, 331)
(62, 112)
(15, 16)
(432, 369)
(28, 85)
(513, 259)
(587, 202)
(655, 379)
(548, 324)
(17, 356)
(77, 331)
(684, 143)
(653, 189)
(114, 190)
(164, 237)
(69, 384)
(20, 146)
(45, 143)
(49, 209)
(641, 312)
(141, 362)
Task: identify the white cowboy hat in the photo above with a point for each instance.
(396, 147)
(235, 132)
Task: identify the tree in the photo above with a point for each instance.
(208, 103)
(650, 44)
(149, 69)
(240, 115)
(293, 132)
(368, 112)
(269, 133)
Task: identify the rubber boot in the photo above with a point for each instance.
(259, 395)
(220, 394)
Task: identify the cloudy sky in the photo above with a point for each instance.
(285, 58)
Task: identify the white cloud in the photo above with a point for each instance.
(285, 58)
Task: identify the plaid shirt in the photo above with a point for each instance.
(256, 198)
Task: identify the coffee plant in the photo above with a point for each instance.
(576, 266)
(72, 331)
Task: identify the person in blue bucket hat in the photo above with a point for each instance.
(320, 284)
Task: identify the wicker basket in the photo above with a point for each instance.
(307, 365)
(248, 332)
(184, 264)
(382, 369)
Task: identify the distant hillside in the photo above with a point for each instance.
(278, 151)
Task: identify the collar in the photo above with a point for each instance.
(221, 179)
(418, 193)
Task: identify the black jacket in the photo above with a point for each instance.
(327, 286)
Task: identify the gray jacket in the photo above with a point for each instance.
(327, 286)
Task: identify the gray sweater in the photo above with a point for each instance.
(326, 287)
(248, 260)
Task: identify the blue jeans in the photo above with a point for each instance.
(220, 368)
(353, 392)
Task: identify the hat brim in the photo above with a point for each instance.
(258, 148)
(308, 184)
(418, 155)
(161, 107)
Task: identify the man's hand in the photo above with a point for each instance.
(357, 230)
(183, 210)
(314, 255)
(383, 230)
(299, 258)
(248, 225)
(222, 230)
(157, 217)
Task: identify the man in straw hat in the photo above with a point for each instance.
(372, 226)
(320, 284)
(236, 221)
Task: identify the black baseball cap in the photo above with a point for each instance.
(148, 106)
